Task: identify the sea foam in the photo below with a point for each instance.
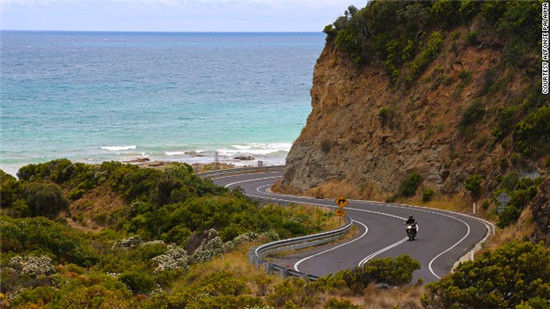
(118, 148)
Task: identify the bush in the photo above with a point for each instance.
(40, 295)
(473, 114)
(532, 134)
(427, 195)
(522, 191)
(138, 282)
(471, 38)
(42, 235)
(433, 48)
(45, 199)
(392, 271)
(9, 190)
(506, 119)
(473, 184)
(516, 272)
(409, 185)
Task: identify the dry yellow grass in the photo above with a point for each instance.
(400, 297)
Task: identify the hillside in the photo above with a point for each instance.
(428, 100)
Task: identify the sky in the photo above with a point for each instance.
(172, 15)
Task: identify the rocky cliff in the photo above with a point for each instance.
(368, 135)
(458, 107)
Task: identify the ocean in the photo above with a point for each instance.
(96, 96)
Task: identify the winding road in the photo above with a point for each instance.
(443, 237)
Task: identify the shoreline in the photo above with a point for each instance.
(209, 164)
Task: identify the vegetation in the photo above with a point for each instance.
(532, 134)
(171, 204)
(427, 195)
(409, 185)
(45, 199)
(398, 271)
(473, 184)
(473, 114)
(521, 191)
(516, 273)
(174, 219)
(369, 35)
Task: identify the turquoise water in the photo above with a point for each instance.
(167, 96)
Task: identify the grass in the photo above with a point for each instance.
(260, 284)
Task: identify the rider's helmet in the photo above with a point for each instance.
(411, 217)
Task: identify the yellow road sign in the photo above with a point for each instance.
(341, 201)
(340, 212)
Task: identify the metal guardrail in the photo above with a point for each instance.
(255, 254)
(240, 170)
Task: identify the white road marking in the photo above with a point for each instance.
(250, 180)
(443, 252)
(371, 211)
(333, 248)
(372, 255)
(233, 175)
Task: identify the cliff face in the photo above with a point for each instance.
(363, 135)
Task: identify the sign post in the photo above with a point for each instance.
(341, 202)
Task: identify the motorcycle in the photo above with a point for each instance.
(411, 231)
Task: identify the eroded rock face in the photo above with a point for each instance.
(365, 133)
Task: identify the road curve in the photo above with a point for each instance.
(443, 237)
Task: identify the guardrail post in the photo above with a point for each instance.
(267, 267)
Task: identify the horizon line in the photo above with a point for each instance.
(153, 31)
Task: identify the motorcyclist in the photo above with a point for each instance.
(410, 221)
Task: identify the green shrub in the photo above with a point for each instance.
(432, 49)
(471, 38)
(427, 195)
(42, 235)
(138, 282)
(506, 119)
(45, 199)
(473, 184)
(392, 271)
(503, 164)
(532, 134)
(41, 295)
(522, 192)
(9, 189)
(409, 185)
(473, 114)
(516, 272)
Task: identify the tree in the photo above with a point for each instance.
(45, 199)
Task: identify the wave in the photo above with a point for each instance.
(174, 153)
(256, 149)
(118, 148)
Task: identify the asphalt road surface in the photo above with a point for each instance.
(443, 237)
